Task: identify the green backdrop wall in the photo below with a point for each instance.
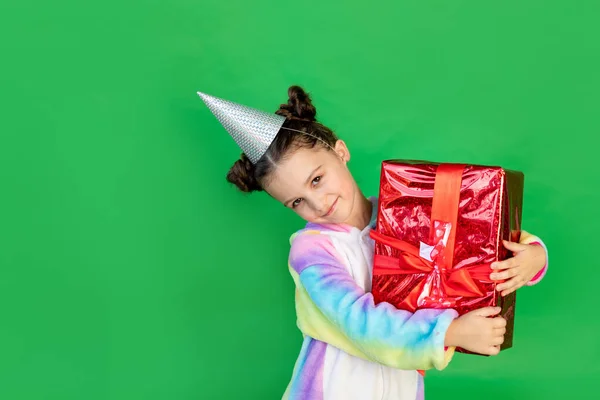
(130, 269)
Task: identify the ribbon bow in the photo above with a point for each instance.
(452, 282)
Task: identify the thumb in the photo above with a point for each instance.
(514, 246)
(487, 311)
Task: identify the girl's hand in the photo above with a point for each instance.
(527, 261)
(479, 331)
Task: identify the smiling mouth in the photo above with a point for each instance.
(331, 209)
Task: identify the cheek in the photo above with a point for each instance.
(346, 185)
(306, 213)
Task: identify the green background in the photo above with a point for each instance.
(130, 269)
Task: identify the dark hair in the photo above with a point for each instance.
(300, 115)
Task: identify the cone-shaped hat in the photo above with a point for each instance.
(253, 130)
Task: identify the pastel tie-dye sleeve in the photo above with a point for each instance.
(528, 238)
(384, 334)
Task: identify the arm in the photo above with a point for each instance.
(331, 307)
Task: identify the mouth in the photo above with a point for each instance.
(331, 209)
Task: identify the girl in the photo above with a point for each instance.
(352, 349)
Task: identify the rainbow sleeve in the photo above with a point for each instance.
(332, 308)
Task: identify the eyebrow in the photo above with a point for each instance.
(307, 181)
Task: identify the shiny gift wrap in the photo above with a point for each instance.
(439, 227)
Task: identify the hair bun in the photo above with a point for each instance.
(299, 105)
(241, 175)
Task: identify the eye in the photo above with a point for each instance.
(316, 180)
(296, 202)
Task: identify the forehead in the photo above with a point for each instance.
(291, 172)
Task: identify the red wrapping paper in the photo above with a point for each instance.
(443, 260)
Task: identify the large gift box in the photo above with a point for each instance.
(439, 227)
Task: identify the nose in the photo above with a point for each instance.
(323, 205)
(318, 204)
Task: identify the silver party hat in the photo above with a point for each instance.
(253, 130)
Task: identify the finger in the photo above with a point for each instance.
(500, 331)
(514, 246)
(506, 264)
(487, 311)
(504, 275)
(493, 350)
(498, 340)
(499, 323)
(490, 350)
(514, 284)
(509, 291)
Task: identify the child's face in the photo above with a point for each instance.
(316, 184)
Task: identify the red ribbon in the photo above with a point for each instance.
(452, 282)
